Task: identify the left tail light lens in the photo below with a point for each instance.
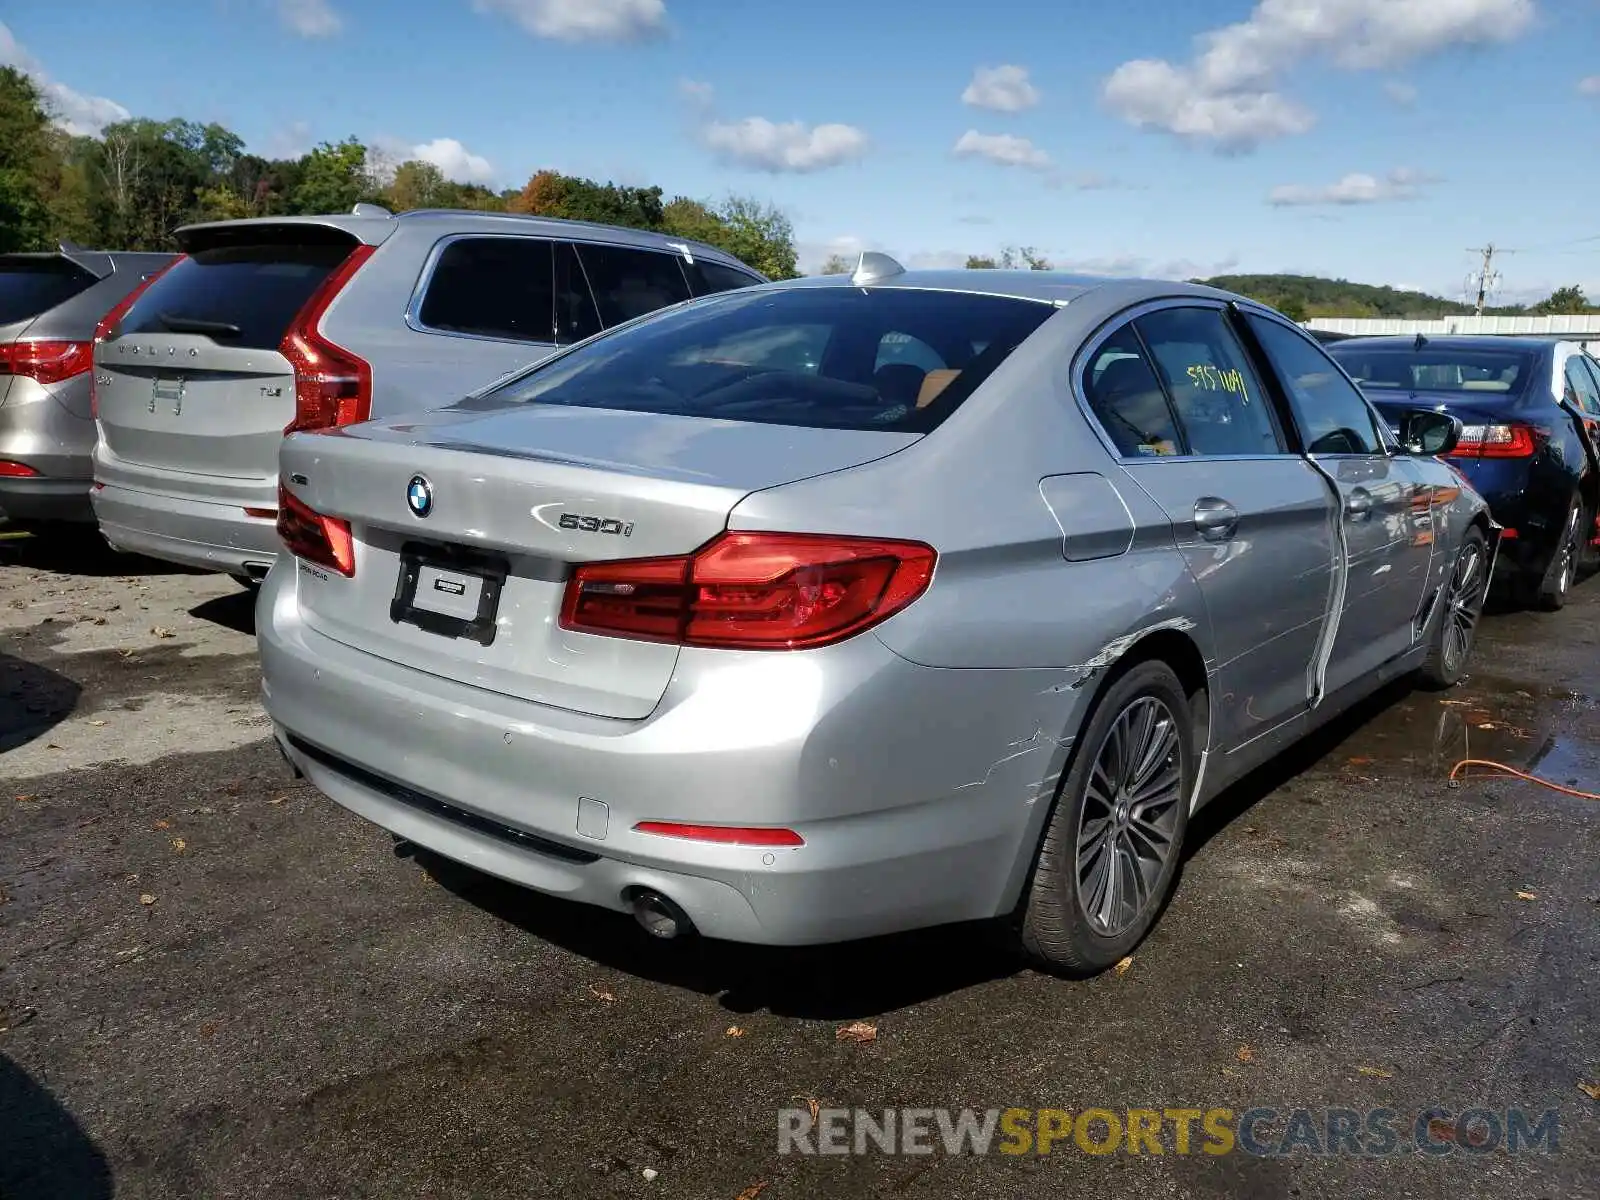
(307, 534)
(1495, 441)
(107, 325)
(46, 361)
(751, 591)
(332, 385)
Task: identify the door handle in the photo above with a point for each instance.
(1358, 504)
(1215, 519)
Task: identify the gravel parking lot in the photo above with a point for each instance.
(215, 983)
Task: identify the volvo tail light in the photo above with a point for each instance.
(332, 386)
(1495, 441)
(46, 361)
(107, 326)
(751, 591)
(307, 534)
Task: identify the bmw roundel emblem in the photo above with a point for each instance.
(419, 496)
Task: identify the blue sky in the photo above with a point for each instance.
(1372, 139)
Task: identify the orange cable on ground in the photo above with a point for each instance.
(1484, 762)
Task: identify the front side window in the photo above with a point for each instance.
(1332, 416)
(1581, 385)
(795, 356)
(708, 277)
(629, 283)
(1219, 403)
(497, 287)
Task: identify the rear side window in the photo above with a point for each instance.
(629, 283)
(30, 286)
(1332, 416)
(1128, 399)
(797, 356)
(708, 277)
(1218, 401)
(497, 287)
(239, 295)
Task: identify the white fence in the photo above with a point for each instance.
(1584, 330)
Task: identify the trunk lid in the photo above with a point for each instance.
(191, 381)
(537, 489)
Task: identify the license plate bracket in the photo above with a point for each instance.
(451, 591)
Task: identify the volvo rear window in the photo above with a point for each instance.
(804, 356)
(237, 295)
(30, 286)
(1435, 370)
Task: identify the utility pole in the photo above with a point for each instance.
(1485, 276)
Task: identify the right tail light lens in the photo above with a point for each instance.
(307, 534)
(751, 591)
(332, 386)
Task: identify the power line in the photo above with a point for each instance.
(1485, 278)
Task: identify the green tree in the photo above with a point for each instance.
(837, 264)
(25, 218)
(759, 234)
(416, 184)
(333, 178)
(1562, 301)
(980, 262)
(1294, 308)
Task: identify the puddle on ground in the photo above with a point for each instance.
(1551, 732)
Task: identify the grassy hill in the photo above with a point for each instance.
(1302, 297)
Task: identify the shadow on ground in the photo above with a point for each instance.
(44, 1153)
(76, 550)
(33, 700)
(235, 611)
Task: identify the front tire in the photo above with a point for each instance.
(1110, 852)
(1465, 593)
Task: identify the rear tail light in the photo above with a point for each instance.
(16, 470)
(47, 362)
(107, 326)
(332, 386)
(751, 591)
(1495, 441)
(307, 534)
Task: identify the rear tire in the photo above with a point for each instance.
(1550, 592)
(1464, 594)
(1110, 852)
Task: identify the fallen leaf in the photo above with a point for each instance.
(208, 1028)
(179, 845)
(277, 800)
(1376, 1072)
(161, 631)
(601, 994)
(1359, 762)
(163, 824)
(147, 899)
(51, 746)
(1527, 895)
(857, 1031)
(735, 1031)
(812, 1103)
(649, 1174)
(1487, 725)
(128, 653)
(1246, 1054)
(1123, 964)
(1591, 1090)
(97, 723)
(754, 1190)
(26, 799)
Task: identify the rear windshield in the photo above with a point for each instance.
(236, 295)
(1435, 370)
(828, 357)
(30, 286)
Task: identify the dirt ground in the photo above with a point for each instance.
(215, 983)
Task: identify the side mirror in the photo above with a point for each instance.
(1424, 431)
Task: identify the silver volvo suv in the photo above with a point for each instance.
(301, 323)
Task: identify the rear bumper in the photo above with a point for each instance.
(192, 533)
(916, 805)
(40, 498)
(37, 430)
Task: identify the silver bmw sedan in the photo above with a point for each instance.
(853, 604)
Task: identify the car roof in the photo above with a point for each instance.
(1052, 287)
(1450, 341)
(373, 225)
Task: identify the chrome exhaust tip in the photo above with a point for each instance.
(658, 916)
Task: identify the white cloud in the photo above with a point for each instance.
(584, 20)
(455, 160)
(1403, 94)
(1228, 95)
(1590, 86)
(791, 146)
(76, 112)
(1403, 183)
(310, 18)
(1004, 148)
(1004, 89)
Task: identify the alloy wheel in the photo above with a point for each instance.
(1126, 831)
(1465, 604)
